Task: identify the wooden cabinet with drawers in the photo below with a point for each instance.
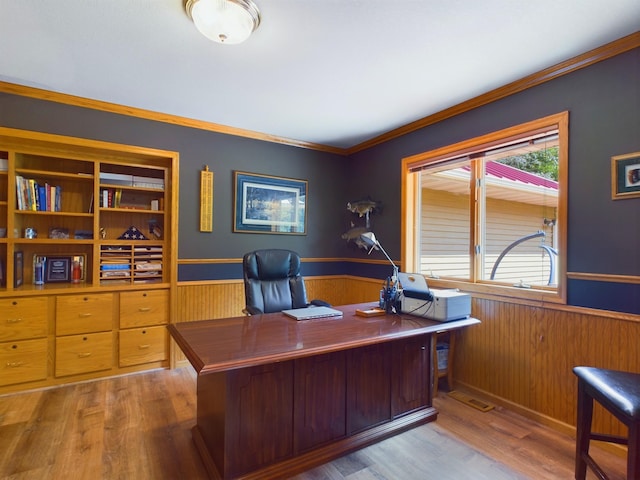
(23, 340)
(143, 336)
(143, 345)
(22, 318)
(79, 348)
(84, 313)
(143, 308)
(77, 354)
(23, 361)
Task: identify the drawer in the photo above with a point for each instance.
(84, 313)
(138, 309)
(23, 361)
(143, 345)
(22, 318)
(84, 353)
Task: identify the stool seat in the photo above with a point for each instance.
(618, 391)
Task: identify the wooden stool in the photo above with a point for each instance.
(619, 393)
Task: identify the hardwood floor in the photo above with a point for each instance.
(139, 427)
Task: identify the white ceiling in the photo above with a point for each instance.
(332, 72)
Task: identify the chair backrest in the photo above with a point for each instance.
(272, 281)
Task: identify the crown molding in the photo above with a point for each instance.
(41, 94)
(576, 63)
(599, 54)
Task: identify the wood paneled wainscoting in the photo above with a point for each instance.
(520, 357)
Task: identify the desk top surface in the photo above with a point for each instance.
(229, 343)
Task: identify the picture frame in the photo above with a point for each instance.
(59, 233)
(625, 176)
(59, 268)
(18, 268)
(268, 204)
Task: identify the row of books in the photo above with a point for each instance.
(37, 197)
(110, 197)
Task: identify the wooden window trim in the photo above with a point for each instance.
(410, 190)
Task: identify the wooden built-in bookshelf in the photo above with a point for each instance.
(80, 210)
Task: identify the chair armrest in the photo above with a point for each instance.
(251, 310)
(320, 303)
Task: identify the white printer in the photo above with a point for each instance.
(441, 305)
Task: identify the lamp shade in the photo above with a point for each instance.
(224, 21)
(371, 242)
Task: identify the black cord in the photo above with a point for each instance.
(426, 305)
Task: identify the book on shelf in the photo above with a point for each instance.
(152, 249)
(148, 182)
(114, 266)
(115, 273)
(33, 198)
(116, 179)
(116, 248)
(146, 273)
(42, 196)
(148, 266)
(48, 195)
(19, 199)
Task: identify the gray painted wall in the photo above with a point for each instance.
(603, 235)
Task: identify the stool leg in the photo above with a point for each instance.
(583, 431)
(633, 456)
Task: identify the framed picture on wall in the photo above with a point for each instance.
(625, 176)
(267, 204)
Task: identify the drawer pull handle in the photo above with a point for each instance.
(144, 309)
(14, 320)
(85, 315)
(143, 347)
(84, 355)
(14, 364)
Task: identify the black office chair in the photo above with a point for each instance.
(272, 282)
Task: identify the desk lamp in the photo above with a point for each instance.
(389, 296)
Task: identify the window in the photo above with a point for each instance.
(489, 214)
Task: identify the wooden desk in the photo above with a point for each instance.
(277, 397)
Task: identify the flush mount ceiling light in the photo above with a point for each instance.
(224, 21)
